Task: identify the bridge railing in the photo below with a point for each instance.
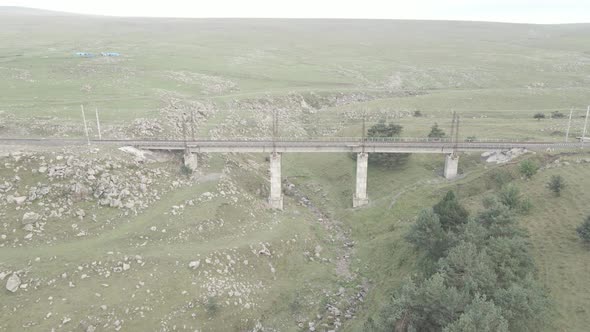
(339, 139)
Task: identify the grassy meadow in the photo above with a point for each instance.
(323, 76)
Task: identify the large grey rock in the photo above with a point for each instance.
(13, 283)
(30, 217)
(20, 200)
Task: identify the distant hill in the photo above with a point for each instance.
(25, 11)
(28, 11)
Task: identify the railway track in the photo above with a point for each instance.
(324, 144)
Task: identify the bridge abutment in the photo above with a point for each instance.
(360, 196)
(276, 194)
(451, 166)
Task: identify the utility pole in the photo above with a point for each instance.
(363, 134)
(452, 135)
(456, 134)
(277, 125)
(275, 130)
(98, 124)
(193, 125)
(85, 125)
(569, 123)
(184, 129)
(585, 123)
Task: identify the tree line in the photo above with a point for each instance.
(383, 129)
(476, 272)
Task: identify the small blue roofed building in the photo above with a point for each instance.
(110, 54)
(85, 54)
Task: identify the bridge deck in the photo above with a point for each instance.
(398, 145)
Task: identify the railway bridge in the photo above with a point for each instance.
(361, 146)
(277, 146)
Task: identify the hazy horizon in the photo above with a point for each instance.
(521, 12)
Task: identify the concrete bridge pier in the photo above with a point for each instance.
(276, 194)
(360, 196)
(451, 166)
(190, 160)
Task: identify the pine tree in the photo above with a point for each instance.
(384, 130)
(481, 316)
(436, 132)
(556, 184)
(427, 234)
(450, 212)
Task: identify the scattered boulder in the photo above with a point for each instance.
(140, 155)
(20, 200)
(80, 213)
(13, 283)
(194, 264)
(264, 251)
(500, 157)
(30, 217)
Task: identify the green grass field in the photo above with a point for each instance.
(323, 76)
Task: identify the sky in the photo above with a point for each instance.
(518, 11)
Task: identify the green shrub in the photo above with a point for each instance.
(556, 184)
(584, 230)
(528, 168)
(511, 197)
(525, 205)
(211, 306)
(295, 304)
(499, 178)
(185, 170)
(557, 115)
